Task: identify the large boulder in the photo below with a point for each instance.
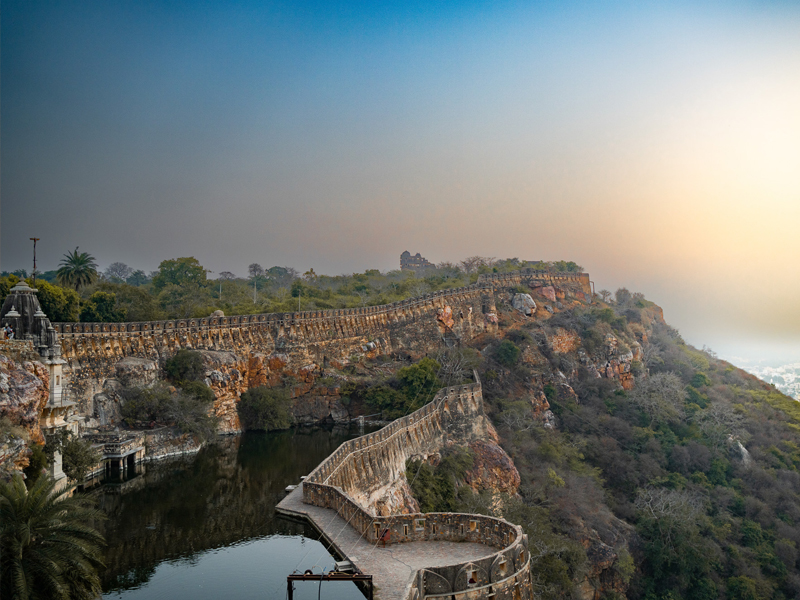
(524, 304)
(136, 372)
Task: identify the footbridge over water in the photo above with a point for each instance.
(423, 555)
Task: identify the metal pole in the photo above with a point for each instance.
(34, 240)
(290, 590)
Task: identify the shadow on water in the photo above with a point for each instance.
(179, 511)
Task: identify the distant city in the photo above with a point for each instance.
(786, 378)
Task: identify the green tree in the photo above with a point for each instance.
(137, 278)
(420, 382)
(179, 271)
(78, 458)
(507, 353)
(185, 366)
(77, 269)
(138, 303)
(47, 547)
(265, 408)
(743, 588)
(61, 305)
(102, 308)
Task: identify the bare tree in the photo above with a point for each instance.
(457, 364)
(471, 264)
(651, 355)
(720, 422)
(118, 271)
(605, 295)
(226, 275)
(660, 397)
(363, 296)
(658, 503)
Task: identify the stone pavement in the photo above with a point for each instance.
(392, 568)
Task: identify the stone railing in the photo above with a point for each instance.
(504, 574)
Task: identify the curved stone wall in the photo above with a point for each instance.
(343, 482)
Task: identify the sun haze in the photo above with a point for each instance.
(657, 145)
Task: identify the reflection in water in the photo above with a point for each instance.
(205, 526)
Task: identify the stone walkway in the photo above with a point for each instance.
(392, 567)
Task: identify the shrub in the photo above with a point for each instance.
(78, 458)
(185, 366)
(507, 353)
(187, 409)
(420, 382)
(37, 463)
(145, 403)
(435, 488)
(392, 403)
(265, 408)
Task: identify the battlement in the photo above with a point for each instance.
(486, 283)
(343, 483)
(307, 340)
(535, 278)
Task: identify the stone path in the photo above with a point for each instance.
(391, 567)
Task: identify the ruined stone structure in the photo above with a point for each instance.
(412, 263)
(352, 480)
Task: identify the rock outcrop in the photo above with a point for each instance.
(524, 304)
(24, 392)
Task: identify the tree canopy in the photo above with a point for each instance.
(77, 269)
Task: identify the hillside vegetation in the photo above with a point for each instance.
(685, 485)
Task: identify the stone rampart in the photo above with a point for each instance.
(348, 479)
(299, 341)
(533, 278)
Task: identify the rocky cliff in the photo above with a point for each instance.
(24, 392)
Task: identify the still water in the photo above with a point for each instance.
(205, 527)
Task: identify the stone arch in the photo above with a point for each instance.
(434, 583)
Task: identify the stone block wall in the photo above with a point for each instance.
(348, 480)
(298, 341)
(533, 278)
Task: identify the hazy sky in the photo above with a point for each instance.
(657, 144)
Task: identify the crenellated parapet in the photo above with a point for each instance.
(348, 478)
(536, 278)
(301, 340)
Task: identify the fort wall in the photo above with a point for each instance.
(348, 479)
(308, 340)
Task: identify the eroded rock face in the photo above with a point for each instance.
(492, 469)
(565, 341)
(24, 391)
(136, 372)
(602, 577)
(227, 376)
(524, 304)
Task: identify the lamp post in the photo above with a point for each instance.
(34, 240)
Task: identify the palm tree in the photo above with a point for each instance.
(76, 270)
(47, 547)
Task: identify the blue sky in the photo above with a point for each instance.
(657, 144)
